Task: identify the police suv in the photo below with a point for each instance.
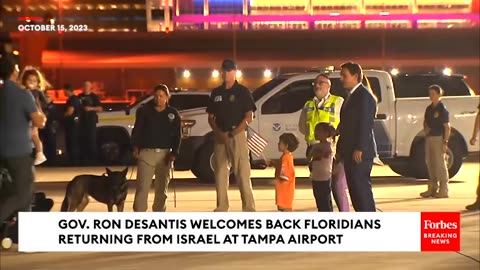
(114, 128)
(402, 100)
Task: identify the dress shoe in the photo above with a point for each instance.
(474, 206)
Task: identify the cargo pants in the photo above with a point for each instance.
(236, 151)
(436, 165)
(152, 162)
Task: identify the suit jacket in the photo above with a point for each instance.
(356, 124)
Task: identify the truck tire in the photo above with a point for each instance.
(454, 158)
(202, 166)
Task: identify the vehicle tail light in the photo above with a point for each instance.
(187, 127)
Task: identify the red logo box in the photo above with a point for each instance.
(440, 231)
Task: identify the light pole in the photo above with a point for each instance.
(234, 33)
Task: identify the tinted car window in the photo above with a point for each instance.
(375, 85)
(290, 99)
(417, 85)
(338, 90)
(186, 102)
(265, 88)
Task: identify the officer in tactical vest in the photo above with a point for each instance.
(325, 107)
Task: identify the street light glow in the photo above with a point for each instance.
(215, 73)
(239, 73)
(447, 71)
(186, 74)
(267, 73)
(394, 72)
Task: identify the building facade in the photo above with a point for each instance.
(128, 39)
(168, 15)
(324, 14)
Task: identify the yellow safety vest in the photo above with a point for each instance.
(315, 115)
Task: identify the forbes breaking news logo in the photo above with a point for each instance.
(440, 231)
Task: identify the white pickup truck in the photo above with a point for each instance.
(398, 127)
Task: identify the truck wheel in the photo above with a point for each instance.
(202, 166)
(453, 158)
(110, 152)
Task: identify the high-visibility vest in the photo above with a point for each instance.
(324, 113)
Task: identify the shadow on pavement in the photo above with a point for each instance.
(258, 184)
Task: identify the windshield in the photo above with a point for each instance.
(182, 102)
(138, 100)
(264, 89)
(417, 85)
(187, 102)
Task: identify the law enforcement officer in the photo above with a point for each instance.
(72, 125)
(437, 131)
(156, 139)
(230, 110)
(49, 133)
(88, 123)
(325, 107)
(476, 128)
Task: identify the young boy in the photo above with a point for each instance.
(285, 173)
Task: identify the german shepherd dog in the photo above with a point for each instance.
(110, 188)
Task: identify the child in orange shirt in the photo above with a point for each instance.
(285, 172)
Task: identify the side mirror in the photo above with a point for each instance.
(127, 110)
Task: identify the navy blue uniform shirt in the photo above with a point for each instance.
(154, 129)
(435, 117)
(229, 106)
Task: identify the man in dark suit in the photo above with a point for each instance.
(355, 146)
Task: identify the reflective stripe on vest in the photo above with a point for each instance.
(315, 115)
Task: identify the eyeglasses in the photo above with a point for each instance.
(319, 82)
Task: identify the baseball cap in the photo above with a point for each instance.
(228, 65)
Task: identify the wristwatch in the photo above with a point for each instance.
(445, 141)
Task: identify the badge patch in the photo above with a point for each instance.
(171, 116)
(232, 98)
(436, 115)
(218, 99)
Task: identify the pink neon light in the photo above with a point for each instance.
(308, 18)
(27, 19)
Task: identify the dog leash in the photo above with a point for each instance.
(172, 179)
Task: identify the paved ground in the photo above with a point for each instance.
(392, 193)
